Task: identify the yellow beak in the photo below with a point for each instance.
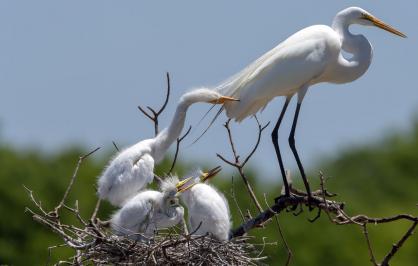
(210, 173)
(181, 190)
(182, 183)
(223, 99)
(378, 23)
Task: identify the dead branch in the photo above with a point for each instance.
(369, 246)
(289, 251)
(70, 185)
(332, 208)
(240, 165)
(178, 141)
(398, 245)
(155, 114)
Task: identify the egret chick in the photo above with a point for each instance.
(208, 210)
(149, 211)
(133, 168)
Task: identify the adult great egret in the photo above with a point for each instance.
(149, 211)
(311, 55)
(131, 169)
(208, 210)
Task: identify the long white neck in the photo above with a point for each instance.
(167, 136)
(347, 70)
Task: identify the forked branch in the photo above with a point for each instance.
(153, 115)
(240, 165)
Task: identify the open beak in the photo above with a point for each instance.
(223, 99)
(181, 190)
(182, 183)
(378, 23)
(211, 173)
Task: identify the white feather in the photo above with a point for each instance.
(311, 55)
(132, 169)
(208, 211)
(146, 213)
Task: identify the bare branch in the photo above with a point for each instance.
(369, 246)
(260, 131)
(398, 245)
(116, 146)
(240, 166)
(178, 142)
(235, 199)
(289, 251)
(80, 160)
(155, 114)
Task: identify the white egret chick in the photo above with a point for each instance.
(133, 168)
(208, 210)
(312, 55)
(150, 210)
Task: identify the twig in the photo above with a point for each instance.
(96, 210)
(116, 146)
(289, 251)
(155, 114)
(80, 160)
(398, 245)
(240, 166)
(235, 199)
(178, 141)
(369, 246)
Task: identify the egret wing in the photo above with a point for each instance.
(280, 72)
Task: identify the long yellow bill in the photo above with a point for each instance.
(223, 99)
(209, 174)
(181, 190)
(182, 183)
(378, 23)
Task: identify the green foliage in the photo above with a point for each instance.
(378, 180)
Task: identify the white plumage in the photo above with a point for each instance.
(133, 168)
(208, 210)
(148, 212)
(311, 55)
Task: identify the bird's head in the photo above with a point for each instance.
(357, 15)
(206, 95)
(196, 178)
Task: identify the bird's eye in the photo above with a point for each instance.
(172, 201)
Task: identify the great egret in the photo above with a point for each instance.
(131, 169)
(208, 210)
(149, 211)
(311, 55)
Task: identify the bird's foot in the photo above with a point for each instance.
(310, 202)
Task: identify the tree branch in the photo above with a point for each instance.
(240, 166)
(178, 142)
(155, 114)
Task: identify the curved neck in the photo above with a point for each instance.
(167, 136)
(347, 70)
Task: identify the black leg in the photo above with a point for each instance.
(275, 139)
(295, 152)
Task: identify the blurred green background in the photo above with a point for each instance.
(378, 179)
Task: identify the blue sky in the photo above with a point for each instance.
(74, 72)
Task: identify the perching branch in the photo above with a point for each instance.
(240, 166)
(336, 214)
(155, 114)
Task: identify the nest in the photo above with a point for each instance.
(172, 249)
(93, 242)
